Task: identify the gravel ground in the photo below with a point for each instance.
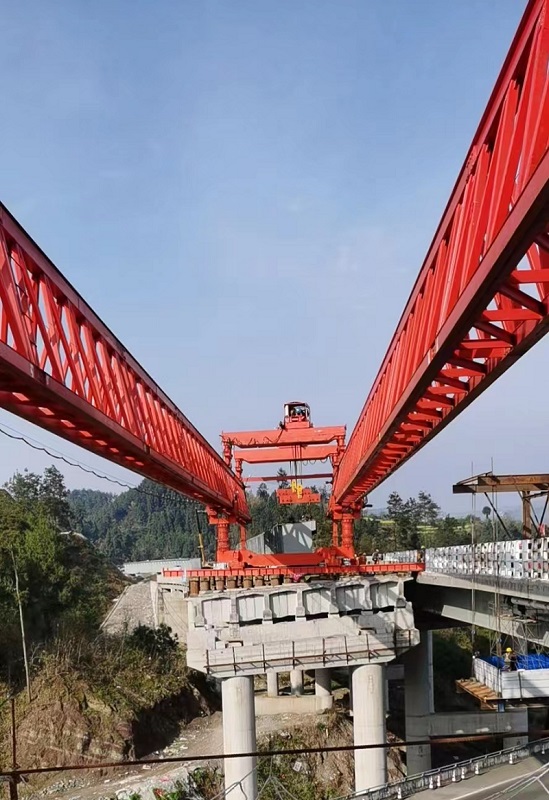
(132, 608)
(203, 736)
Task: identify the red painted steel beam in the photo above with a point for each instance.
(280, 436)
(275, 455)
(63, 369)
(279, 478)
(482, 296)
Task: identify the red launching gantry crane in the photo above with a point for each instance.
(480, 302)
(295, 440)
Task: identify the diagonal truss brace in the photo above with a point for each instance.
(482, 296)
(63, 369)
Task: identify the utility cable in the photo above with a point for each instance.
(434, 741)
(17, 436)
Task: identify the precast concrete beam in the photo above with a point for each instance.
(329, 624)
(239, 736)
(369, 725)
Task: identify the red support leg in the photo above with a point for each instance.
(347, 534)
(222, 538)
(242, 537)
(335, 533)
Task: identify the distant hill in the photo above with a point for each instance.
(148, 522)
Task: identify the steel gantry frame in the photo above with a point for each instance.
(63, 369)
(482, 296)
(295, 440)
(480, 302)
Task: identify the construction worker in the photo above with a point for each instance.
(508, 660)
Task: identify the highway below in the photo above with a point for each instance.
(527, 780)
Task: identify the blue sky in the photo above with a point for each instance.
(244, 191)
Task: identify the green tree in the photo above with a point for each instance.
(369, 535)
(282, 476)
(263, 492)
(42, 495)
(450, 531)
(406, 517)
(427, 509)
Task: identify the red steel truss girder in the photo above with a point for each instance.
(275, 455)
(63, 369)
(478, 304)
(281, 436)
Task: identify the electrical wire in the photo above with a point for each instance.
(35, 445)
(59, 457)
(348, 748)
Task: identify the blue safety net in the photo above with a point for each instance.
(533, 661)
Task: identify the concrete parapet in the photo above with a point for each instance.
(516, 685)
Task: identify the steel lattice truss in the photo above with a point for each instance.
(62, 369)
(481, 298)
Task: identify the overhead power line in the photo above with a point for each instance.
(434, 740)
(18, 436)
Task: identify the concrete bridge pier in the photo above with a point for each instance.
(323, 689)
(296, 681)
(418, 695)
(368, 685)
(239, 736)
(272, 684)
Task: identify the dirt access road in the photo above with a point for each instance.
(203, 736)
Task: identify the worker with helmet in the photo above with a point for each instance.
(509, 660)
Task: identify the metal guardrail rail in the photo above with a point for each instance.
(437, 778)
(308, 653)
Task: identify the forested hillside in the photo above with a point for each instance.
(148, 522)
(154, 522)
(55, 582)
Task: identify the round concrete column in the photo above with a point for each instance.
(323, 689)
(350, 672)
(272, 684)
(239, 737)
(418, 687)
(296, 681)
(369, 725)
